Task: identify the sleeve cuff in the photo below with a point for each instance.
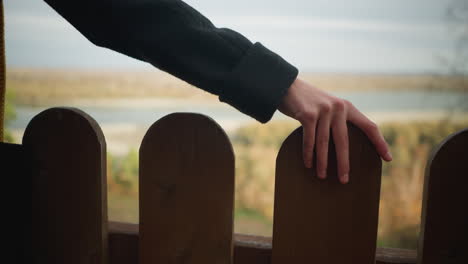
(258, 83)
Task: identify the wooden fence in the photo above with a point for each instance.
(187, 199)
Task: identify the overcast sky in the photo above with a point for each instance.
(390, 36)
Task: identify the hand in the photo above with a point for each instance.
(319, 112)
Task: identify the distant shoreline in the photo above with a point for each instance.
(125, 135)
(51, 86)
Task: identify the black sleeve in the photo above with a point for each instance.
(177, 39)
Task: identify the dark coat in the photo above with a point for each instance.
(177, 39)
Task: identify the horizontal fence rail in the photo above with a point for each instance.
(187, 199)
(123, 248)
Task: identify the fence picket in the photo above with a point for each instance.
(186, 192)
(69, 205)
(14, 169)
(323, 221)
(444, 221)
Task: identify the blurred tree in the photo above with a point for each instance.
(10, 115)
(457, 17)
(456, 63)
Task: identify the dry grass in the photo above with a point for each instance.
(256, 146)
(372, 82)
(43, 86)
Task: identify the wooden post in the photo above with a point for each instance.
(2, 72)
(186, 192)
(444, 221)
(69, 205)
(324, 221)
(15, 172)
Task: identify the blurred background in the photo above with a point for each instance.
(403, 63)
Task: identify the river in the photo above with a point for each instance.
(125, 120)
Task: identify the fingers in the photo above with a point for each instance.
(332, 116)
(371, 130)
(321, 144)
(340, 137)
(308, 142)
(318, 133)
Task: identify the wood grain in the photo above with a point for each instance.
(324, 221)
(444, 221)
(186, 192)
(69, 206)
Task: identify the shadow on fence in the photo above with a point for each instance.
(187, 198)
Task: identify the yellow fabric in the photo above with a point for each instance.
(2, 71)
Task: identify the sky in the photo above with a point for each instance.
(357, 36)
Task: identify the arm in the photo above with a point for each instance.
(177, 39)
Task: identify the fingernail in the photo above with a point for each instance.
(322, 174)
(345, 178)
(388, 156)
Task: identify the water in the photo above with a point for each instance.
(400, 102)
(139, 116)
(403, 101)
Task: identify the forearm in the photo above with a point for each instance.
(177, 39)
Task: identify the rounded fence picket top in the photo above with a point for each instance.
(444, 220)
(69, 204)
(324, 221)
(186, 191)
(187, 198)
